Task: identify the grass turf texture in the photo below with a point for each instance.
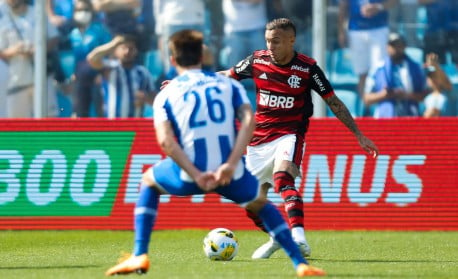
(178, 254)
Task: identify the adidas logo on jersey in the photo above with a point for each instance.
(263, 76)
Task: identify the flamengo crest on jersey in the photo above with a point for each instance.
(294, 81)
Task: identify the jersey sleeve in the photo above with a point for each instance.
(243, 69)
(239, 95)
(319, 83)
(160, 106)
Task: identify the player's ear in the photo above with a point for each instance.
(173, 61)
(292, 39)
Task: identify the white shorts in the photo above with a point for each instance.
(367, 48)
(261, 159)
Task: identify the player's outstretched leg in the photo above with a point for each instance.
(284, 184)
(256, 220)
(145, 215)
(278, 229)
(268, 248)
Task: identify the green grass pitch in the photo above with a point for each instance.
(178, 254)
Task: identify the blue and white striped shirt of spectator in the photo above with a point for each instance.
(121, 87)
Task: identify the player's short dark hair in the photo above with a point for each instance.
(186, 47)
(281, 23)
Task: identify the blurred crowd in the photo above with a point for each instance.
(107, 58)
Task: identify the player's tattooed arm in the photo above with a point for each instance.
(342, 113)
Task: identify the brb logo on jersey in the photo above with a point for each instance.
(294, 81)
(274, 101)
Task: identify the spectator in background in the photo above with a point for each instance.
(4, 76)
(403, 19)
(442, 31)
(176, 15)
(244, 22)
(453, 32)
(16, 47)
(128, 86)
(215, 21)
(363, 27)
(398, 85)
(87, 35)
(146, 27)
(120, 15)
(435, 102)
(60, 13)
(129, 17)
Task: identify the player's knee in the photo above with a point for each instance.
(264, 190)
(147, 178)
(256, 205)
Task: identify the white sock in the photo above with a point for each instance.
(298, 234)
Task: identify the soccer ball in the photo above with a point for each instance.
(220, 244)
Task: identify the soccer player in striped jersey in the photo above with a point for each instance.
(194, 119)
(284, 80)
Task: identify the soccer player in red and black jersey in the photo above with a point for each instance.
(284, 80)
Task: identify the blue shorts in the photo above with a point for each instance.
(166, 173)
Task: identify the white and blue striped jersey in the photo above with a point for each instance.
(201, 107)
(121, 87)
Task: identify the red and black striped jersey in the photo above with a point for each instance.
(283, 93)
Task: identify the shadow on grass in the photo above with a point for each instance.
(380, 261)
(366, 276)
(47, 267)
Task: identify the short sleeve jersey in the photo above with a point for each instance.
(359, 22)
(283, 93)
(201, 106)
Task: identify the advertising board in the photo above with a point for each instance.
(84, 174)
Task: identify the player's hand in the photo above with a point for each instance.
(206, 181)
(368, 146)
(165, 83)
(224, 174)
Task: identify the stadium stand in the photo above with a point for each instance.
(341, 72)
